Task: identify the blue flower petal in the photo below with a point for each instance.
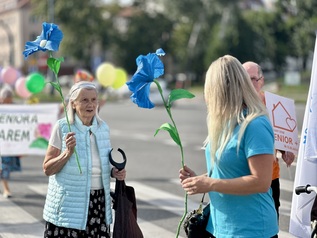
(156, 66)
(160, 52)
(149, 68)
(53, 36)
(29, 49)
(140, 85)
(141, 97)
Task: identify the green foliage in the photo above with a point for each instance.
(82, 23)
(179, 42)
(192, 32)
(301, 21)
(184, 10)
(145, 33)
(267, 38)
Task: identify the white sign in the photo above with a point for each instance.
(26, 129)
(283, 118)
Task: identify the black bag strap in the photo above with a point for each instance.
(200, 209)
(202, 199)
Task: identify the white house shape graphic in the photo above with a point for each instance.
(282, 119)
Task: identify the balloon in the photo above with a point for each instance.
(83, 75)
(35, 82)
(106, 74)
(20, 88)
(121, 78)
(33, 100)
(9, 75)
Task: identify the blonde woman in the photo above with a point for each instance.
(240, 154)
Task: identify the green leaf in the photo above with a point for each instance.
(40, 143)
(172, 131)
(177, 94)
(60, 59)
(54, 64)
(56, 86)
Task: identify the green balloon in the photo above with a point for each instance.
(35, 82)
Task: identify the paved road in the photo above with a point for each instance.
(153, 164)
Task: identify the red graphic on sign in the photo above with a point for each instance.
(282, 119)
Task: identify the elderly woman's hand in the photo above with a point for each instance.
(118, 174)
(70, 142)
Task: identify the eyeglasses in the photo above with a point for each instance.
(256, 79)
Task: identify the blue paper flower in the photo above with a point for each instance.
(150, 67)
(49, 39)
(160, 52)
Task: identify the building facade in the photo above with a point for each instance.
(17, 26)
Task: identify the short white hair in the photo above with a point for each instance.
(73, 95)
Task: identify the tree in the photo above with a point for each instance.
(193, 20)
(82, 23)
(301, 21)
(269, 40)
(145, 33)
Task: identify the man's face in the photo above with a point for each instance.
(257, 81)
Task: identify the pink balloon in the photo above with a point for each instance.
(9, 75)
(20, 88)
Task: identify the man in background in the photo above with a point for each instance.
(256, 75)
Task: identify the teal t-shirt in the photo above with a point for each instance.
(246, 216)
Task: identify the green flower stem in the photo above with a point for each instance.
(168, 110)
(184, 215)
(66, 115)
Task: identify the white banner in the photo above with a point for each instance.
(26, 129)
(283, 118)
(306, 169)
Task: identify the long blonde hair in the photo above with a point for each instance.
(231, 100)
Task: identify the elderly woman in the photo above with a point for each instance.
(79, 204)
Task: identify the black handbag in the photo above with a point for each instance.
(195, 222)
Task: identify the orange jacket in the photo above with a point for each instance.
(276, 166)
(276, 169)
